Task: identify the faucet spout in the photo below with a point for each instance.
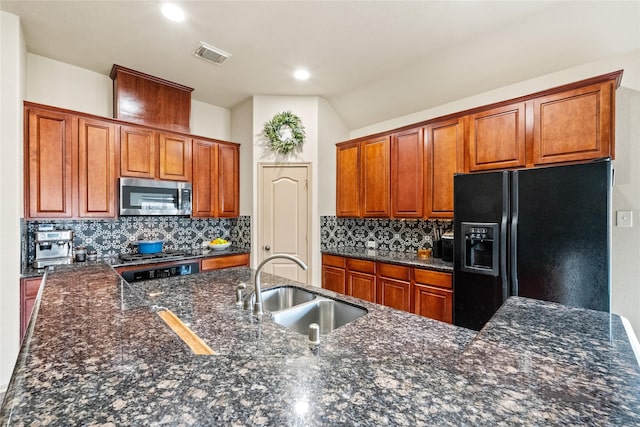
(257, 306)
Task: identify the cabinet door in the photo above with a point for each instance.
(348, 180)
(334, 279)
(361, 285)
(497, 138)
(96, 169)
(137, 152)
(407, 177)
(205, 160)
(228, 181)
(28, 293)
(50, 163)
(444, 145)
(574, 125)
(432, 302)
(395, 293)
(375, 169)
(175, 157)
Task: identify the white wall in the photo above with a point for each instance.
(13, 60)
(242, 133)
(331, 130)
(625, 293)
(58, 84)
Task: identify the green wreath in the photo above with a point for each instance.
(285, 132)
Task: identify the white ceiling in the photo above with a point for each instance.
(372, 60)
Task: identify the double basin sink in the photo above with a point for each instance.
(296, 309)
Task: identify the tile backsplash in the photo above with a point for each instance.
(398, 235)
(110, 237)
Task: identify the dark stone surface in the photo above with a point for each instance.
(400, 258)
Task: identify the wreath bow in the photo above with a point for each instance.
(285, 132)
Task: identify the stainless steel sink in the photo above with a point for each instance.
(327, 313)
(278, 299)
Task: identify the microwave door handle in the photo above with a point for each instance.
(179, 206)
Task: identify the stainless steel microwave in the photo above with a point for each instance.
(151, 197)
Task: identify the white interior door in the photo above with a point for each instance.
(284, 218)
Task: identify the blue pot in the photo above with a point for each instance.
(149, 246)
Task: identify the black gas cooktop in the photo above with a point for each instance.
(156, 256)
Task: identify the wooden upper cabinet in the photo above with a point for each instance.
(407, 174)
(50, 163)
(96, 169)
(205, 159)
(216, 179)
(444, 157)
(497, 138)
(137, 152)
(175, 157)
(574, 125)
(375, 169)
(348, 180)
(228, 180)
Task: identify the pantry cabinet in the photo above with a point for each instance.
(574, 125)
(215, 179)
(421, 291)
(407, 174)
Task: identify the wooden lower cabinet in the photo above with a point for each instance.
(216, 263)
(28, 293)
(420, 291)
(432, 295)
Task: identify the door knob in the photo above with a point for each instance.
(267, 248)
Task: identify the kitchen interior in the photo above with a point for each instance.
(476, 247)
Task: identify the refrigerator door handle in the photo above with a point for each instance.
(513, 241)
(504, 224)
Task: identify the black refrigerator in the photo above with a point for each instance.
(541, 233)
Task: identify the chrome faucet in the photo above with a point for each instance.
(257, 287)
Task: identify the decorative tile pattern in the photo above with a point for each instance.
(396, 235)
(110, 237)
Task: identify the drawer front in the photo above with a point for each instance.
(334, 261)
(241, 260)
(395, 271)
(361, 265)
(434, 278)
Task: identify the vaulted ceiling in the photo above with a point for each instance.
(372, 60)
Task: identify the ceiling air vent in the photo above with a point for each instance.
(211, 54)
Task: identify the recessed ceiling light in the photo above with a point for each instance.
(173, 12)
(301, 74)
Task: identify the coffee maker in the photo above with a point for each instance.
(53, 247)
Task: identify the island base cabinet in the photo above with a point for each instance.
(28, 293)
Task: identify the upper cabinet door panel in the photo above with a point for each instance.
(574, 125)
(175, 157)
(96, 169)
(348, 180)
(444, 157)
(376, 184)
(228, 180)
(50, 164)
(497, 138)
(205, 158)
(407, 174)
(137, 152)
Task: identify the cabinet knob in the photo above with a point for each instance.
(267, 248)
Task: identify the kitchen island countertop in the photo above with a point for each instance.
(96, 353)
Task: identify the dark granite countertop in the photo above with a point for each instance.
(97, 354)
(117, 262)
(400, 258)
